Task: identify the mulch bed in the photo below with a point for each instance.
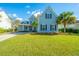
(60, 33)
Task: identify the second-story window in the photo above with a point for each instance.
(48, 16)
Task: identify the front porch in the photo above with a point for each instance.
(25, 28)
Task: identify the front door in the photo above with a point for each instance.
(25, 28)
(52, 28)
(30, 28)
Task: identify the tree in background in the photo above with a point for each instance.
(15, 24)
(35, 23)
(66, 18)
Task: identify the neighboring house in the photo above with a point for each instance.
(76, 25)
(5, 21)
(72, 26)
(46, 22)
(27, 25)
(24, 26)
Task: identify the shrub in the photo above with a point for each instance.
(2, 30)
(61, 30)
(76, 31)
(69, 30)
(9, 30)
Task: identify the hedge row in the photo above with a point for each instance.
(69, 30)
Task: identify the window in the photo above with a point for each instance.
(55, 27)
(25, 27)
(43, 27)
(40, 27)
(30, 22)
(30, 28)
(52, 27)
(48, 16)
(27, 22)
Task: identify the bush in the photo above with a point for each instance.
(2, 30)
(76, 31)
(61, 30)
(5, 30)
(69, 30)
(8, 30)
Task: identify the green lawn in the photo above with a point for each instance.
(41, 45)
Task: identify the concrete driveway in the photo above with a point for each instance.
(9, 35)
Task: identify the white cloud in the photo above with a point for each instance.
(19, 18)
(37, 12)
(28, 6)
(33, 12)
(14, 15)
(28, 12)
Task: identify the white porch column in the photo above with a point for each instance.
(23, 27)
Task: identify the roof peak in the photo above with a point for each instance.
(49, 8)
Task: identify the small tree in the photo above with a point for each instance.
(35, 24)
(15, 24)
(65, 18)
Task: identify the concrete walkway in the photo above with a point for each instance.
(9, 35)
(6, 36)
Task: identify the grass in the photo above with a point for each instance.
(41, 45)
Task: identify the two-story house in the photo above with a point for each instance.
(46, 22)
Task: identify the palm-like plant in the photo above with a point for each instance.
(65, 18)
(35, 23)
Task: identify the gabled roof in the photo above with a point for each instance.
(49, 8)
(32, 16)
(24, 22)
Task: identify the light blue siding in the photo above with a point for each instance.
(42, 20)
(20, 28)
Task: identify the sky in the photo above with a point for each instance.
(25, 10)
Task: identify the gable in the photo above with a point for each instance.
(49, 10)
(48, 16)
